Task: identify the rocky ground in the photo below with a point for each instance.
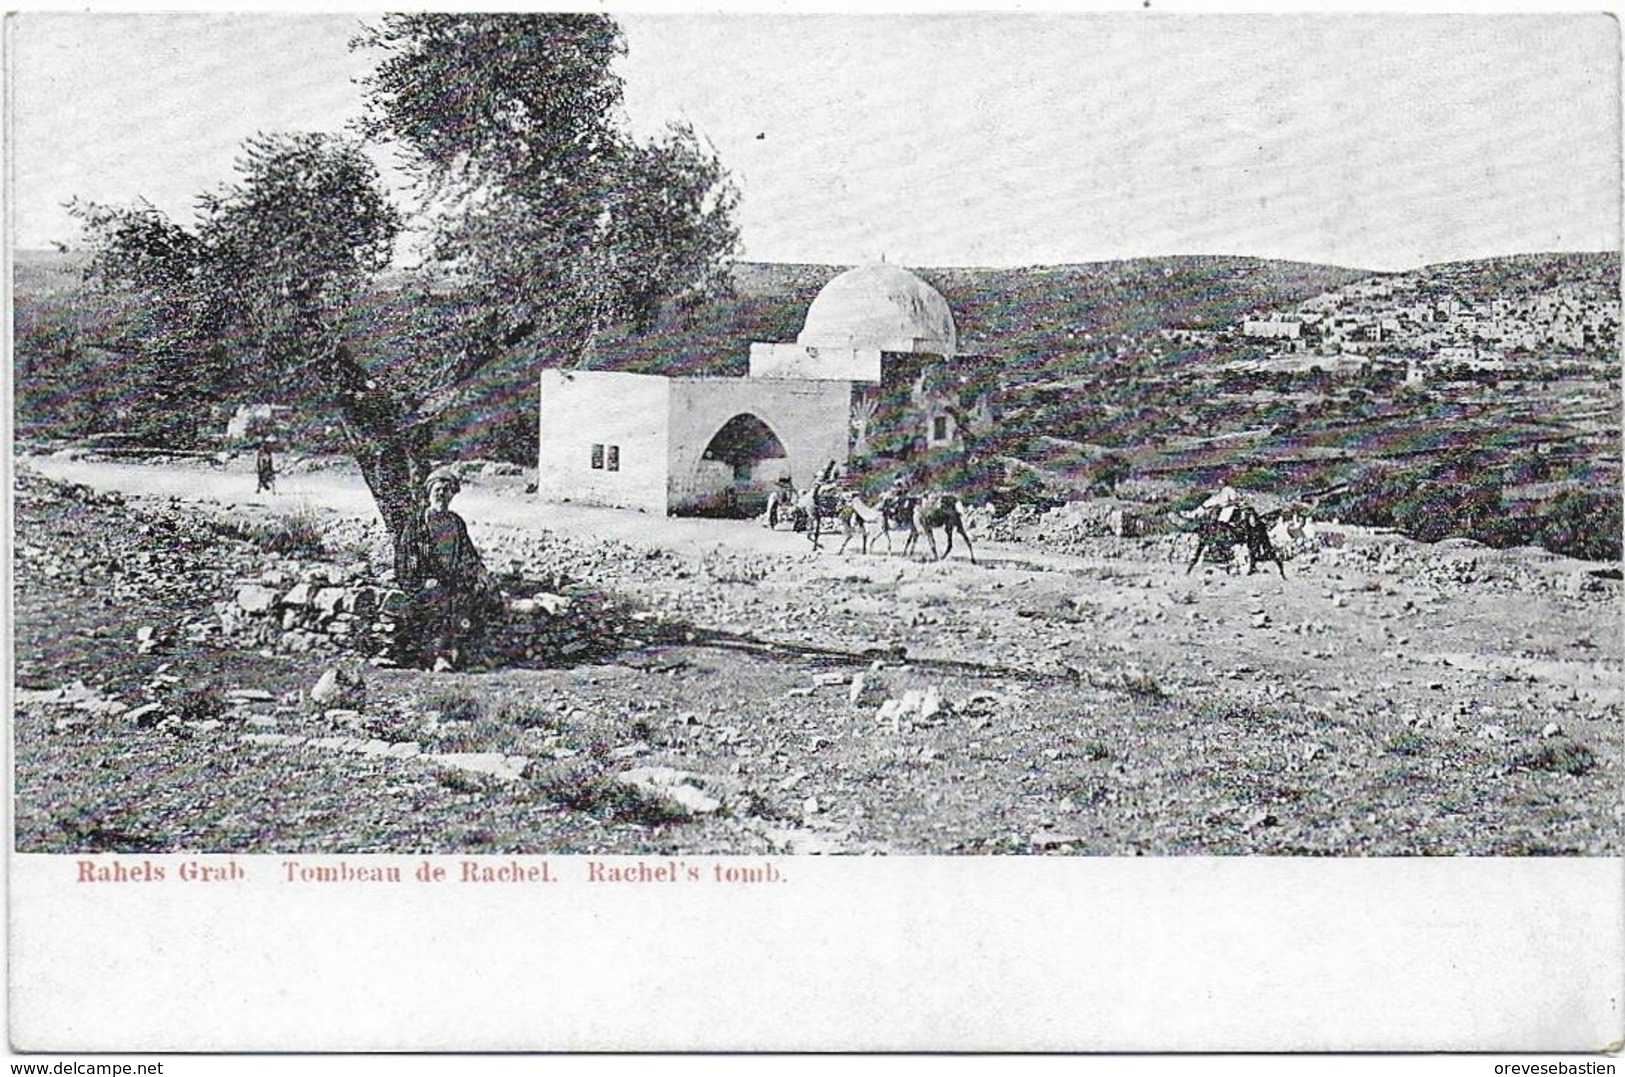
(182, 683)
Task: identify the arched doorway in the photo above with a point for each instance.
(739, 468)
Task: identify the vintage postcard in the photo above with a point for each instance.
(924, 531)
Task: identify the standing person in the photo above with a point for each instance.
(780, 501)
(453, 593)
(265, 468)
(898, 502)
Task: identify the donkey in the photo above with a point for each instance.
(938, 510)
(1244, 527)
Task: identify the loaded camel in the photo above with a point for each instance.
(846, 508)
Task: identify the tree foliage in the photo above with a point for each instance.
(552, 216)
(255, 295)
(248, 296)
(267, 270)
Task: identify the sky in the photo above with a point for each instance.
(943, 139)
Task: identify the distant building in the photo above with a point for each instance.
(257, 421)
(1272, 328)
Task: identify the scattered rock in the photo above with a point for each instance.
(679, 789)
(916, 705)
(337, 687)
(1046, 839)
(506, 768)
(271, 739)
(253, 598)
(146, 715)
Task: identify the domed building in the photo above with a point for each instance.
(858, 317)
(883, 307)
(870, 375)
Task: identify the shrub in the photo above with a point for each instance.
(1406, 742)
(199, 704)
(1436, 510)
(1563, 756)
(476, 730)
(1583, 523)
(1144, 685)
(588, 787)
(517, 715)
(300, 532)
(456, 706)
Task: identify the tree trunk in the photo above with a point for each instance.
(392, 452)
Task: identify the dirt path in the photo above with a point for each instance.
(484, 506)
(1383, 675)
(1330, 626)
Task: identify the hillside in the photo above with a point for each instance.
(1034, 319)
(1141, 361)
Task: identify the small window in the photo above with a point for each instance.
(939, 428)
(598, 458)
(614, 459)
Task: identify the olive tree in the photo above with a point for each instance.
(255, 292)
(555, 221)
(545, 218)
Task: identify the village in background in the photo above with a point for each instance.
(1477, 399)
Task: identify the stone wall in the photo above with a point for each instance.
(322, 607)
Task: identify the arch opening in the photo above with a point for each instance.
(741, 466)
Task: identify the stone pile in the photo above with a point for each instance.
(1455, 564)
(296, 607)
(1097, 527)
(120, 552)
(541, 626)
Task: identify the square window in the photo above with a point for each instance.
(614, 459)
(598, 457)
(939, 428)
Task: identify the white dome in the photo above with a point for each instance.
(880, 306)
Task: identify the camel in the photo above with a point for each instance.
(855, 516)
(1244, 527)
(823, 502)
(892, 512)
(937, 510)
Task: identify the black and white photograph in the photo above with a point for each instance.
(688, 469)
